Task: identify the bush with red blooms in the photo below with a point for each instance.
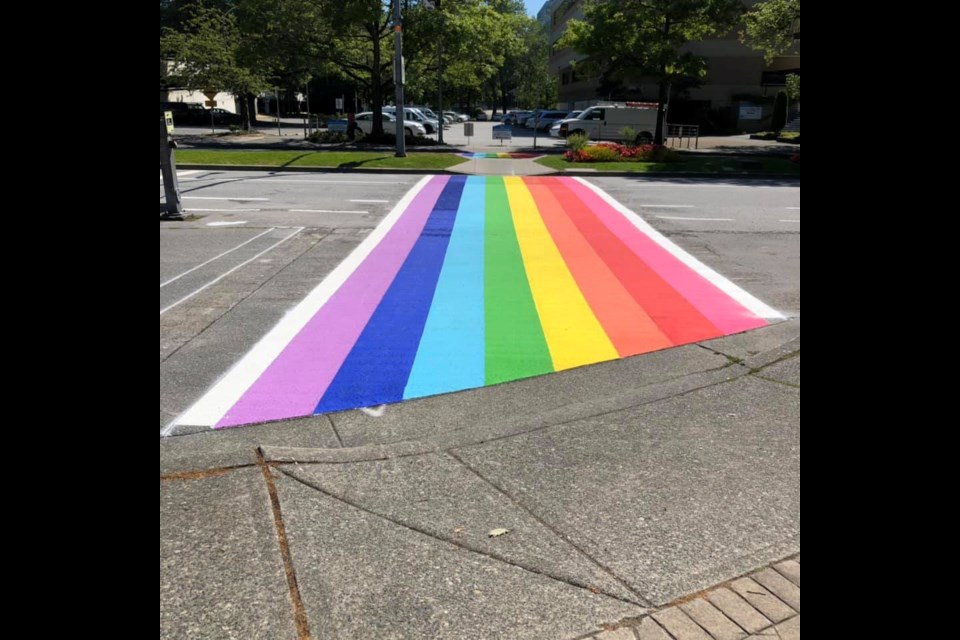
(610, 152)
(795, 158)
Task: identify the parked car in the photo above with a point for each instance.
(365, 122)
(186, 113)
(458, 117)
(546, 120)
(481, 116)
(222, 116)
(555, 127)
(412, 114)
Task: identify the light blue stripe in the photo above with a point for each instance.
(453, 347)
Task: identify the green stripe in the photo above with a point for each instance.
(516, 347)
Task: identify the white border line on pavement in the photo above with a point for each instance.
(211, 407)
(227, 252)
(222, 210)
(218, 198)
(221, 277)
(323, 211)
(755, 306)
(701, 219)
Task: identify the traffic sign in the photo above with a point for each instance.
(502, 132)
(211, 103)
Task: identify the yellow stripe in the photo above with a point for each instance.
(574, 335)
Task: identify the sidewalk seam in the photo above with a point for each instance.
(296, 602)
(643, 601)
(202, 474)
(454, 543)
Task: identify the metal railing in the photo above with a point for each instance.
(677, 132)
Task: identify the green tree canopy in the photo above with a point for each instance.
(643, 38)
(772, 26)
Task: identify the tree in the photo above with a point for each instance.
(793, 86)
(643, 38)
(205, 54)
(772, 26)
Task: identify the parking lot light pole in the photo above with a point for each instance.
(399, 129)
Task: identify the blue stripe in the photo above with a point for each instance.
(377, 368)
(453, 349)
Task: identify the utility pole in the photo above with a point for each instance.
(440, 76)
(398, 79)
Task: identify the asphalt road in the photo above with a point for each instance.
(257, 242)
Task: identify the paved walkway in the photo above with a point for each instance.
(576, 505)
(764, 604)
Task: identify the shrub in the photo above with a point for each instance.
(578, 142)
(328, 137)
(631, 135)
(607, 152)
(602, 153)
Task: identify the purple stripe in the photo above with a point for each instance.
(294, 383)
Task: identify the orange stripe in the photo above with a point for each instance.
(628, 326)
(676, 317)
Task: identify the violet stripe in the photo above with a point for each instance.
(294, 383)
(724, 312)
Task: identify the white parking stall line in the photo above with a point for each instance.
(221, 277)
(323, 211)
(789, 221)
(222, 210)
(794, 208)
(344, 183)
(699, 219)
(215, 258)
(217, 198)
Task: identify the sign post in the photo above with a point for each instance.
(502, 132)
(171, 208)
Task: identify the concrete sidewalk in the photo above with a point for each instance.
(594, 503)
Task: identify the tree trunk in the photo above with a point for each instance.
(664, 93)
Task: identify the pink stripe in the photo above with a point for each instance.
(294, 383)
(724, 312)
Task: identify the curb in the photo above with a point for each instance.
(573, 174)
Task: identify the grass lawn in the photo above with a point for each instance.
(721, 165)
(332, 159)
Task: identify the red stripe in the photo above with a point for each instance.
(625, 322)
(675, 315)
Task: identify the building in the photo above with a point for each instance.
(736, 72)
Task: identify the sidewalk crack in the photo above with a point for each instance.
(641, 602)
(551, 528)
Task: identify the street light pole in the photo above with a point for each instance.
(398, 79)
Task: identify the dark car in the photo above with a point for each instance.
(222, 116)
(186, 113)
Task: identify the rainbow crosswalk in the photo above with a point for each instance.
(499, 156)
(474, 281)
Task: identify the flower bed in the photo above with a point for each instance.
(610, 152)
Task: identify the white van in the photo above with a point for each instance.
(607, 122)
